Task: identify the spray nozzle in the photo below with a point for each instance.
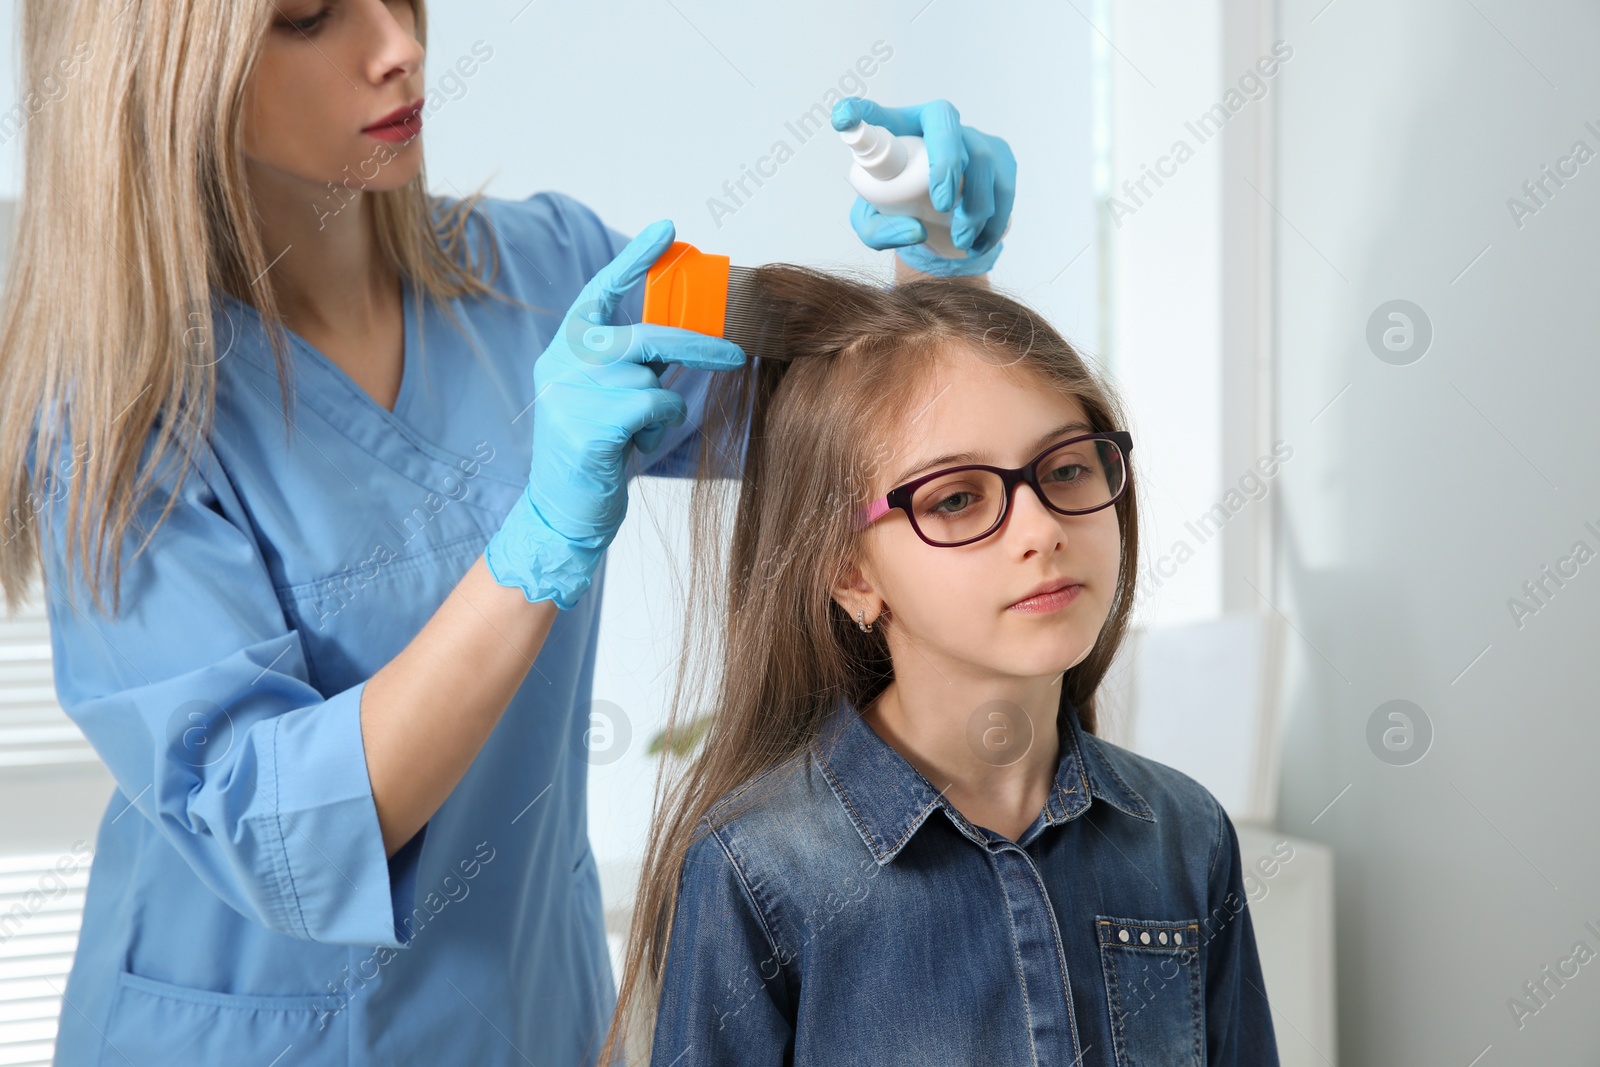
(877, 151)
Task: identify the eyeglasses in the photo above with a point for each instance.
(960, 505)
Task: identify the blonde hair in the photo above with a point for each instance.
(135, 210)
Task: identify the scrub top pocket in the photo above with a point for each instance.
(1152, 975)
(155, 1022)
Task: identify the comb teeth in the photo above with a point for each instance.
(753, 321)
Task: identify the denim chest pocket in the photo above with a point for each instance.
(1152, 974)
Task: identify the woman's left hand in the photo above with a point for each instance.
(959, 157)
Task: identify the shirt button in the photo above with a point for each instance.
(1162, 937)
(1144, 937)
(1177, 939)
(1122, 935)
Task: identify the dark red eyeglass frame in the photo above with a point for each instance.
(900, 496)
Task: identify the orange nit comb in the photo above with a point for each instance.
(694, 290)
(688, 288)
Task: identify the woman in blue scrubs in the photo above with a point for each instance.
(342, 686)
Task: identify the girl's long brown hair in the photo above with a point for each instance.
(823, 415)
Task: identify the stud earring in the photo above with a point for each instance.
(866, 627)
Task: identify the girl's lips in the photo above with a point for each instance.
(1047, 602)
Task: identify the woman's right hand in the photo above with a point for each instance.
(594, 398)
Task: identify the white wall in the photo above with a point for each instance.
(1422, 497)
(1164, 334)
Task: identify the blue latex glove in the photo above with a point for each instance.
(959, 157)
(594, 399)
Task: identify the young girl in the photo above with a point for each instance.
(901, 841)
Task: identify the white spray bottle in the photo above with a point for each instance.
(891, 173)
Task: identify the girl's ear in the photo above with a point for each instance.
(855, 590)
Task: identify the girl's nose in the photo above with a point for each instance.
(1031, 517)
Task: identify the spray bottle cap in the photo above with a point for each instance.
(878, 151)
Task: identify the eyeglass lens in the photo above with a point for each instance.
(1078, 476)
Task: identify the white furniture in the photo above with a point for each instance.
(1292, 912)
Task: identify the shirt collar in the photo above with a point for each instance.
(888, 799)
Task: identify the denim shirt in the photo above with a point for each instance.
(854, 916)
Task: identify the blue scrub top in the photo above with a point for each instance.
(240, 905)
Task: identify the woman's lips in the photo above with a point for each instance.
(1047, 602)
(400, 125)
